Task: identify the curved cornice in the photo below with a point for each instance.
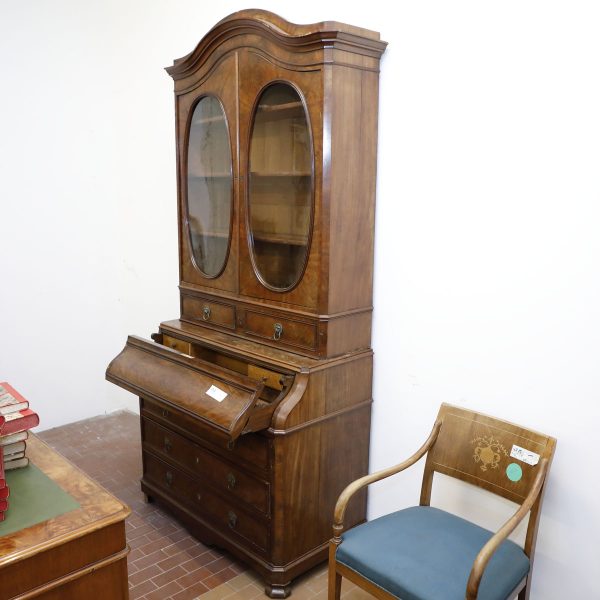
(300, 38)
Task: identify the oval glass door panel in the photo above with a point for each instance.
(280, 187)
(209, 186)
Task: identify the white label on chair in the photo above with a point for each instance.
(527, 456)
(216, 393)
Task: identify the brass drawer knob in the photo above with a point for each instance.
(167, 445)
(277, 331)
(169, 478)
(164, 412)
(206, 313)
(199, 496)
(232, 519)
(230, 481)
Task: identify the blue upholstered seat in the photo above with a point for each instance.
(424, 553)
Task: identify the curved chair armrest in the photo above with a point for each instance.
(355, 486)
(485, 554)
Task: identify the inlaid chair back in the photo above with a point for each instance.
(425, 553)
(490, 453)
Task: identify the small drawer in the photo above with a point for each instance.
(202, 500)
(251, 448)
(200, 462)
(207, 311)
(283, 331)
(178, 345)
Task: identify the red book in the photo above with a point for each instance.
(10, 400)
(4, 492)
(3, 505)
(1, 517)
(2, 480)
(21, 420)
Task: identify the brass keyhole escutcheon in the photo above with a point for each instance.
(206, 313)
(232, 518)
(277, 331)
(230, 481)
(169, 478)
(165, 413)
(168, 445)
(199, 496)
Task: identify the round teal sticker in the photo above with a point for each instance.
(514, 472)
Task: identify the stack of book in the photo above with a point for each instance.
(16, 419)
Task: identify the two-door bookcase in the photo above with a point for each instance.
(255, 404)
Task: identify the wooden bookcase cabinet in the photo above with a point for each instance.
(255, 405)
(302, 171)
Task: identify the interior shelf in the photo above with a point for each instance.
(205, 120)
(288, 110)
(281, 174)
(213, 234)
(280, 238)
(211, 176)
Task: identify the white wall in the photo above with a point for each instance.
(486, 279)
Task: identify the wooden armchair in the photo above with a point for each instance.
(423, 553)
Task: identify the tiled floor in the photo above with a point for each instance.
(165, 562)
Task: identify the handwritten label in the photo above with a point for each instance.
(216, 393)
(527, 456)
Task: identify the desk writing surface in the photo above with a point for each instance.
(92, 508)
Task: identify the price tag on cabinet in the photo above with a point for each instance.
(216, 394)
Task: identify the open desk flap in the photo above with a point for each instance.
(221, 398)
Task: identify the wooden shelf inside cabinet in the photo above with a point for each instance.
(280, 238)
(214, 234)
(204, 121)
(196, 177)
(281, 174)
(289, 110)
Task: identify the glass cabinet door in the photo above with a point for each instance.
(280, 187)
(209, 187)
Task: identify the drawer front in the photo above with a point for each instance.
(208, 505)
(208, 311)
(251, 448)
(177, 344)
(282, 331)
(200, 462)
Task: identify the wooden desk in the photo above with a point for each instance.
(76, 555)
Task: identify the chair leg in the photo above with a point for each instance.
(335, 584)
(335, 579)
(524, 593)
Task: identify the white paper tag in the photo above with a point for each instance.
(527, 456)
(216, 393)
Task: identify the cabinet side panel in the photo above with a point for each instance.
(313, 466)
(339, 387)
(352, 202)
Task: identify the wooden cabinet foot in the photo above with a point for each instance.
(148, 499)
(274, 590)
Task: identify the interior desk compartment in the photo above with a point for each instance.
(224, 399)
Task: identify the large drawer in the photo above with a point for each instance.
(284, 332)
(226, 401)
(253, 449)
(199, 462)
(199, 498)
(207, 311)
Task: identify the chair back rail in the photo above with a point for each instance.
(490, 453)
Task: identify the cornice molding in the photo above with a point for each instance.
(300, 38)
